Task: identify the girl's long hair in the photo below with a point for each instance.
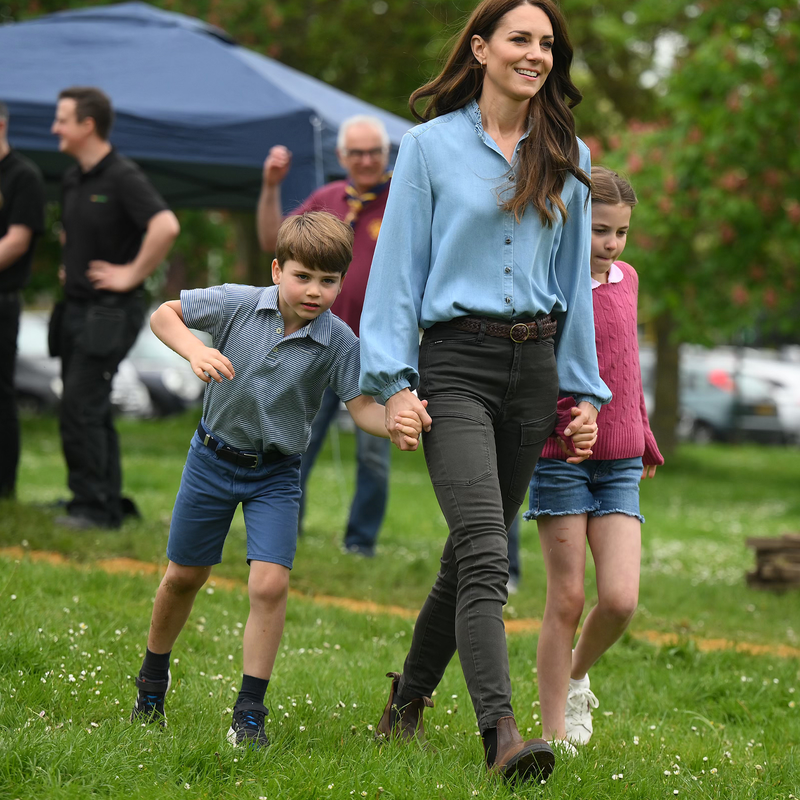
(611, 189)
(550, 150)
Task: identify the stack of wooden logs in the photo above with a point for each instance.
(777, 563)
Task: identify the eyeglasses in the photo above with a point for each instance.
(375, 152)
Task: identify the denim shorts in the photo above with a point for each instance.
(211, 489)
(595, 488)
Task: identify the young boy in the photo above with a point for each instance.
(275, 351)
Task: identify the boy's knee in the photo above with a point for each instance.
(270, 585)
(183, 579)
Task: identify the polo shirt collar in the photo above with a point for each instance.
(319, 329)
(104, 162)
(615, 275)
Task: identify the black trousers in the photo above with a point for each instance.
(92, 345)
(10, 308)
(493, 405)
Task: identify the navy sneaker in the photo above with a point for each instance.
(149, 706)
(247, 725)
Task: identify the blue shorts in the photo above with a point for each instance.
(211, 490)
(595, 488)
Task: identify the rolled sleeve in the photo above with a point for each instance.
(203, 309)
(344, 377)
(400, 267)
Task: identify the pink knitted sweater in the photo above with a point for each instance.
(623, 427)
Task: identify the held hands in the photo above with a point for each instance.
(409, 424)
(405, 417)
(113, 277)
(583, 430)
(209, 364)
(277, 165)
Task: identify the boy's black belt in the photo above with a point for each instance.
(239, 457)
(539, 328)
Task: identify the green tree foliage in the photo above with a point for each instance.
(718, 174)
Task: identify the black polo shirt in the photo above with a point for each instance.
(105, 213)
(22, 203)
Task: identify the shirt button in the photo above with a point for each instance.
(278, 330)
(508, 300)
(508, 240)
(507, 270)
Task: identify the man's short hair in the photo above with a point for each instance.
(91, 102)
(317, 240)
(363, 119)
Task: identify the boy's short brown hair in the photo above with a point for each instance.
(91, 102)
(317, 240)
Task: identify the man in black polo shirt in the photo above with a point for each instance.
(21, 221)
(117, 230)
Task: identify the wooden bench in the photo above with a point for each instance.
(777, 563)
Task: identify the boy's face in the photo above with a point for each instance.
(304, 293)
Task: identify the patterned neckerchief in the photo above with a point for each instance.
(357, 202)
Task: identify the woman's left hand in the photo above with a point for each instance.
(649, 471)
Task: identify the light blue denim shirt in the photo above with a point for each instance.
(446, 249)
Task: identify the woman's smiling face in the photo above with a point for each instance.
(519, 55)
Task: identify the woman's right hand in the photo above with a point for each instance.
(397, 406)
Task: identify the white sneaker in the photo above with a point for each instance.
(578, 717)
(564, 748)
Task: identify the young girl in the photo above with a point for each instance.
(596, 500)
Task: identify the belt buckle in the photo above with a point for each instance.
(253, 463)
(525, 332)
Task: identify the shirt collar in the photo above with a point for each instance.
(615, 275)
(319, 329)
(107, 159)
(473, 113)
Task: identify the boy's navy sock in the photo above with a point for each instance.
(155, 666)
(253, 689)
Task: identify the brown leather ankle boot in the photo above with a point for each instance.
(521, 760)
(402, 723)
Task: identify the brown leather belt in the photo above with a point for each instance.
(539, 328)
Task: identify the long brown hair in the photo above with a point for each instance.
(550, 150)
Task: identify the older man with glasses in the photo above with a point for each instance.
(359, 200)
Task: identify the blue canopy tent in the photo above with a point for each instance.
(195, 110)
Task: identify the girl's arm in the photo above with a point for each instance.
(206, 362)
(371, 417)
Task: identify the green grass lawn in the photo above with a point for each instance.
(674, 720)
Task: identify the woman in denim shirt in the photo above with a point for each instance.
(484, 245)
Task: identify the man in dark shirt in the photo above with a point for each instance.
(21, 221)
(360, 200)
(116, 230)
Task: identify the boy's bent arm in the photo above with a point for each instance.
(207, 363)
(370, 417)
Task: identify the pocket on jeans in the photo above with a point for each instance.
(533, 435)
(458, 447)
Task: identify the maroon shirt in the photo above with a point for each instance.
(333, 199)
